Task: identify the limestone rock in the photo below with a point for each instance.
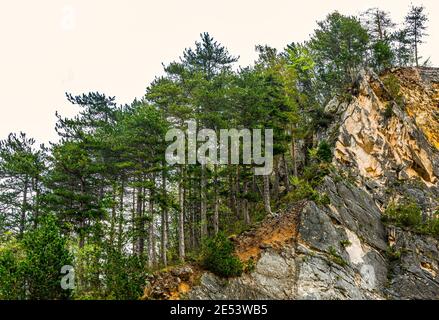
(341, 250)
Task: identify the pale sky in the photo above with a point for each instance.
(49, 47)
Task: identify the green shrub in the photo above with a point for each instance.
(315, 173)
(218, 257)
(303, 190)
(382, 54)
(250, 266)
(324, 152)
(431, 226)
(30, 268)
(404, 215)
(410, 215)
(392, 84)
(336, 258)
(393, 254)
(345, 243)
(12, 270)
(323, 199)
(46, 253)
(388, 112)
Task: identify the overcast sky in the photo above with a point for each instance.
(49, 47)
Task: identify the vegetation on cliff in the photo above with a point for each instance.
(104, 200)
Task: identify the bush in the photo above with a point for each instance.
(394, 254)
(124, 275)
(336, 258)
(46, 253)
(324, 152)
(404, 215)
(382, 54)
(315, 173)
(410, 215)
(106, 273)
(388, 112)
(12, 285)
(218, 257)
(31, 267)
(303, 190)
(392, 84)
(431, 226)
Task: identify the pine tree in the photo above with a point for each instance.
(21, 175)
(415, 23)
(339, 48)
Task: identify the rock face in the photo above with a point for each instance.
(386, 148)
(339, 253)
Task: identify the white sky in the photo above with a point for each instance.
(49, 47)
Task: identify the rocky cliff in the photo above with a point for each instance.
(386, 148)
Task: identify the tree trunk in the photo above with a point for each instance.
(37, 202)
(237, 192)
(293, 152)
(266, 194)
(133, 222)
(140, 222)
(181, 244)
(203, 202)
(121, 218)
(113, 218)
(416, 46)
(164, 243)
(151, 241)
(245, 206)
(287, 173)
(23, 207)
(276, 184)
(216, 202)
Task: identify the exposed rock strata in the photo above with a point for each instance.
(341, 250)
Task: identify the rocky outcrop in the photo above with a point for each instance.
(171, 284)
(385, 148)
(338, 253)
(414, 271)
(384, 140)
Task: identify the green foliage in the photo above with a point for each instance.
(383, 55)
(402, 48)
(345, 243)
(303, 190)
(315, 172)
(339, 47)
(393, 254)
(406, 215)
(324, 152)
(250, 266)
(416, 24)
(393, 86)
(124, 275)
(12, 271)
(430, 226)
(105, 273)
(409, 215)
(46, 254)
(388, 112)
(31, 268)
(217, 256)
(336, 258)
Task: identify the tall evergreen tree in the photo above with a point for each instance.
(416, 24)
